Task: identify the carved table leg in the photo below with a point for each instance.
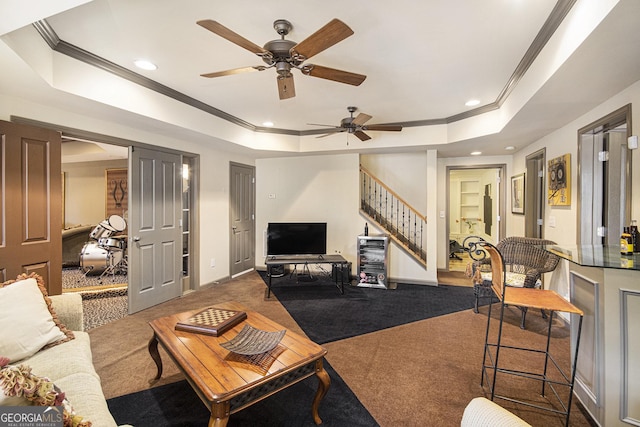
(324, 381)
(155, 354)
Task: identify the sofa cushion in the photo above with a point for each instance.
(77, 358)
(76, 376)
(27, 319)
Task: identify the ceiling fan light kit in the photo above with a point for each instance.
(283, 55)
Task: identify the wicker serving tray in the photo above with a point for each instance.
(252, 341)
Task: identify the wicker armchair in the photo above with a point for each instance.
(525, 263)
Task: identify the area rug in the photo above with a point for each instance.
(104, 306)
(325, 315)
(73, 279)
(177, 404)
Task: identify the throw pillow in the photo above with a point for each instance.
(27, 319)
(20, 387)
(512, 279)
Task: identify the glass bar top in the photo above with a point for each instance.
(597, 256)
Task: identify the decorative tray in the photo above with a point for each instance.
(252, 341)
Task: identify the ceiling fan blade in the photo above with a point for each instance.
(361, 119)
(234, 71)
(219, 29)
(329, 126)
(286, 88)
(330, 132)
(361, 135)
(395, 128)
(333, 32)
(333, 74)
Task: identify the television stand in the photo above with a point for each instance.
(305, 260)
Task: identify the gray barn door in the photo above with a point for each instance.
(242, 218)
(155, 245)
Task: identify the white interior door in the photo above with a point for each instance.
(155, 247)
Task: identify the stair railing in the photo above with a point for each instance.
(405, 225)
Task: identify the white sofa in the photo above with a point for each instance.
(70, 365)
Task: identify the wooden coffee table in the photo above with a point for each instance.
(227, 382)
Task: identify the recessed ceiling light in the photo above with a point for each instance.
(476, 153)
(472, 103)
(145, 65)
(267, 124)
(509, 147)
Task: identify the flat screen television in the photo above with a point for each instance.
(297, 238)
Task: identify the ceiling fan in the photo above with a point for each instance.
(356, 125)
(283, 55)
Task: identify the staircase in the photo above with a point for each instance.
(383, 207)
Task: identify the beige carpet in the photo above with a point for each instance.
(419, 374)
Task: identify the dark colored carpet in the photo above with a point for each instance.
(325, 315)
(177, 404)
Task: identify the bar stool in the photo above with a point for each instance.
(528, 298)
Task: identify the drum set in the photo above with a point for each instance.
(106, 253)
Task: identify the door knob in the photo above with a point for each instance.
(136, 239)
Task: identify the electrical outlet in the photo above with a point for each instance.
(213, 262)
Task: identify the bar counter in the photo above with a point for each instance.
(606, 286)
(597, 256)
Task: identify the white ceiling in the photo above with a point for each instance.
(423, 60)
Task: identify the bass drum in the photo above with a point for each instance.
(93, 259)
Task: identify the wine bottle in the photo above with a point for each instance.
(635, 236)
(626, 243)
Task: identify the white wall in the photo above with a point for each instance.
(325, 188)
(310, 189)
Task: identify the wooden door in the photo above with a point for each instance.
(31, 204)
(242, 218)
(155, 247)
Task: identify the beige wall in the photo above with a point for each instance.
(85, 191)
(565, 140)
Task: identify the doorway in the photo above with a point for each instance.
(87, 191)
(242, 218)
(475, 207)
(535, 199)
(604, 178)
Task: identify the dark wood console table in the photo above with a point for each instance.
(295, 260)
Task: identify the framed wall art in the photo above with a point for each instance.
(116, 194)
(517, 194)
(559, 179)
